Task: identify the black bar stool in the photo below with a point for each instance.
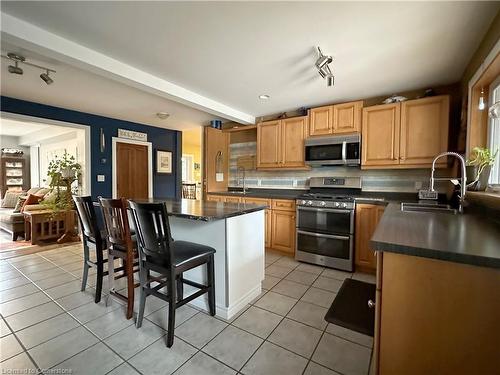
(91, 236)
(158, 252)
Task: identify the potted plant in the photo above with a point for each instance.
(62, 172)
(479, 168)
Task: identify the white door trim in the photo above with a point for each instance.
(149, 145)
(88, 147)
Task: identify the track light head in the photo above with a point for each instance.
(45, 77)
(14, 69)
(330, 80)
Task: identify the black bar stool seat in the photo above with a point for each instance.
(158, 252)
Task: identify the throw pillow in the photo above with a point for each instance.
(20, 203)
(32, 199)
(10, 199)
(42, 192)
(32, 190)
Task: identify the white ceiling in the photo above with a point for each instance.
(19, 128)
(233, 51)
(77, 89)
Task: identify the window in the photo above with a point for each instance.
(494, 135)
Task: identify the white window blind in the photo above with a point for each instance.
(494, 135)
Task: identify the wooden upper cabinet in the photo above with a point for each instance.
(293, 132)
(320, 120)
(269, 144)
(424, 130)
(216, 143)
(335, 119)
(405, 135)
(347, 117)
(380, 135)
(280, 143)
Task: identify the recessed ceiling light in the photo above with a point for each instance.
(264, 97)
(162, 115)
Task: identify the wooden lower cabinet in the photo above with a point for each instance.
(367, 218)
(436, 317)
(283, 231)
(280, 220)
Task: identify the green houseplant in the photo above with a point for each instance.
(61, 173)
(479, 168)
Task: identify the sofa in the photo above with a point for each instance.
(13, 222)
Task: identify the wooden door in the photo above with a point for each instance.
(283, 231)
(380, 140)
(366, 222)
(132, 171)
(347, 117)
(320, 120)
(424, 130)
(216, 143)
(268, 144)
(293, 132)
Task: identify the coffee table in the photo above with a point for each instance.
(46, 226)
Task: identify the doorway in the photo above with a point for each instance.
(132, 169)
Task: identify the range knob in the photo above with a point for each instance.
(303, 202)
(344, 205)
(322, 203)
(336, 204)
(309, 203)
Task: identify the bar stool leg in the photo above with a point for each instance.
(86, 258)
(171, 288)
(180, 287)
(211, 283)
(111, 276)
(129, 269)
(142, 300)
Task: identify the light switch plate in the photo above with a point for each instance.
(101, 178)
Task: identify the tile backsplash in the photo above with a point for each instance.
(403, 180)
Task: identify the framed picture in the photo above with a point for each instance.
(163, 161)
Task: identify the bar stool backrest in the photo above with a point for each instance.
(88, 219)
(116, 221)
(153, 230)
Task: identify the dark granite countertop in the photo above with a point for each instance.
(469, 238)
(204, 210)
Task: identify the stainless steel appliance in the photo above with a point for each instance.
(325, 222)
(335, 150)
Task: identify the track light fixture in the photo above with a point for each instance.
(322, 64)
(19, 59)
(45, 77)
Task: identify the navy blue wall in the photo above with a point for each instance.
(171, 140)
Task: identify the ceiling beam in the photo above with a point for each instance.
(36, 39)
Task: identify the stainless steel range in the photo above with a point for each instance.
(325, 222)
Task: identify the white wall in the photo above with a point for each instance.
(73, 143)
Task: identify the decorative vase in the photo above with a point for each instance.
(68, 173)
(482, 183)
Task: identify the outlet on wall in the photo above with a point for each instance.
(418, 185)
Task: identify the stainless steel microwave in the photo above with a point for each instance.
(334, 150)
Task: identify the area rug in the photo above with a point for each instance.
(12, 249)
(350, 307)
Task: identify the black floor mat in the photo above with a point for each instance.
(350, 307)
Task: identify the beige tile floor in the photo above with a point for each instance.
(48, 323)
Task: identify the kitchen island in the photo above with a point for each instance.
(437, 308)
(236, 232)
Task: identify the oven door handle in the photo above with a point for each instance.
(323, 235)
(340, 211)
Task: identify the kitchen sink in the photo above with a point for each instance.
(427, 207)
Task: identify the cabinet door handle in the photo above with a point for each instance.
(371, 304)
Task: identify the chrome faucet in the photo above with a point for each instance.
(463, 179)
(242, 178)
